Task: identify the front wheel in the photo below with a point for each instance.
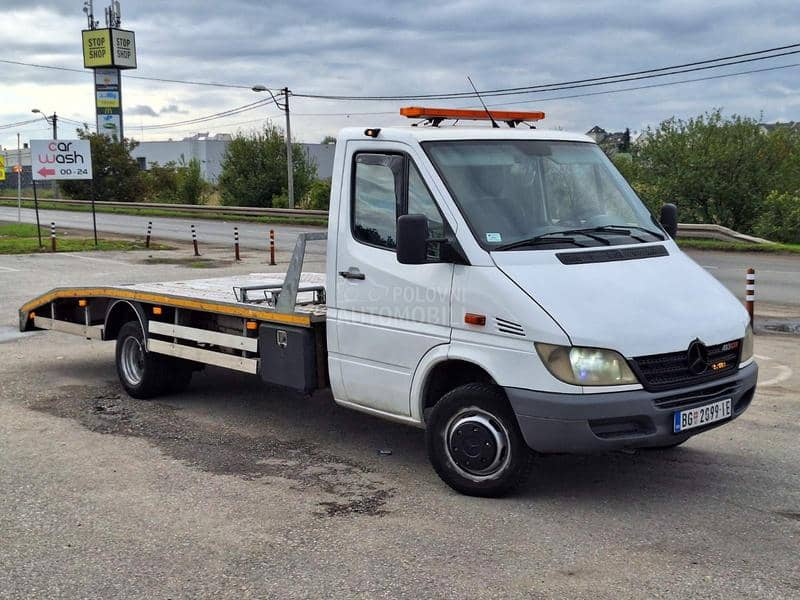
(475, 444)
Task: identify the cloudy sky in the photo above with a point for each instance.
(410, 47)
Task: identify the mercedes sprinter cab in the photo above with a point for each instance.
(507, 290)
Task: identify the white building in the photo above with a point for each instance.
(210, 152)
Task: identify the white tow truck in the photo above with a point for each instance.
(503, 288)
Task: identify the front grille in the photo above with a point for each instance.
(671, 370)
(707, 394)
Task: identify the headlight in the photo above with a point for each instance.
(747, 345)
(586, 366)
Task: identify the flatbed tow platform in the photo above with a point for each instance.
(222, 321)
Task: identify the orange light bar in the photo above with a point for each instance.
(474, 319)
(418, 112)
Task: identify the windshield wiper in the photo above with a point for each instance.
(540, 240)
(625, 230)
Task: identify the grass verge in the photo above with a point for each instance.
(703, 244)
(176, 212)
(21, 238)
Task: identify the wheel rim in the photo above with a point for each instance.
(132, 360)
(477, 443)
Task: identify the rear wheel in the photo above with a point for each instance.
(144, 374)
(475, 444)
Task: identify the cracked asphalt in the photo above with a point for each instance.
(234, 490)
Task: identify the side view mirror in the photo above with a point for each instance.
(412, 239)
(669, 219)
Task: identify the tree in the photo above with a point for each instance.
(191, 185)
(716, 169)
(117, 176)
(254, 169)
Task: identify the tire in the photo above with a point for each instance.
(143, 374)
(492, 458)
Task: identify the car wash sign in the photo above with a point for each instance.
(61, 159)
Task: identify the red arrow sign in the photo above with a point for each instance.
(44, 172)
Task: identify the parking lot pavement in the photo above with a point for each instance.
(234, 490)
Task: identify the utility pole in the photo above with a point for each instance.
(55, 126)
(285, 108)
(289, 165)
(19, 182)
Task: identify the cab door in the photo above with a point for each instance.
(388, 315)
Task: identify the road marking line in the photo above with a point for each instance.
(9, 269)
(785, 373)
(106, 260)
(709, 267)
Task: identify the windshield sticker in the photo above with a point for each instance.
(494, 238)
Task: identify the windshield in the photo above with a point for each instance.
(511, 192)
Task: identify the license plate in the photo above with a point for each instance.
(702, 415)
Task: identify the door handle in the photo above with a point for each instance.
(352, 273)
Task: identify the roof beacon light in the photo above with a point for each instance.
(437, 115)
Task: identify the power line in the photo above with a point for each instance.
(212, 117)
(652, 85)
(18, 124)
(128, 76)
(586, 82)
(551, 87)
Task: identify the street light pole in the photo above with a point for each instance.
(289, 165)
(54, 121)
(289, 158)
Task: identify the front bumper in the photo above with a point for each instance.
(588, 423)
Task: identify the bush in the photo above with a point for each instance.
(191, 185)
(319, 196)
(254, 169)
(716, 169)
(779, 219)
(162, 183)
(117, 176)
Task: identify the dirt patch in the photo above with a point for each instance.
(193, 263)
(353, 488)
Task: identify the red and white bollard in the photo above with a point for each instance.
(149, 232)
(194, 241)
(750, 294)
(272, 247)
(236, 242)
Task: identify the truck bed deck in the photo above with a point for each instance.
(222, 295)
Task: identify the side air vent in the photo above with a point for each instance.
(509, 327)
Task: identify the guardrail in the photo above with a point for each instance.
(717, 232)
(693, 230)
(190, 208)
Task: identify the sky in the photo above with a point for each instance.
(402, 48)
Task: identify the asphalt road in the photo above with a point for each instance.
(778, 277)
(209, 232)
(233, 490)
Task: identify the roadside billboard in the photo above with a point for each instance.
(61, 159)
